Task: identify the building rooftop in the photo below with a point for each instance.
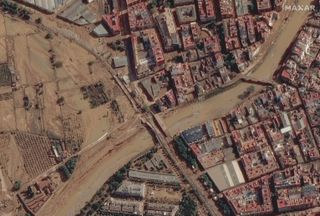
(139, 16)
(257, 164)
(226, 175)
(264, 5)
(154, 177)
(206, 10)
(168, 30)
(131, 189)
(78, 12)
(47, 5)
(253, 198)
(186, 14)
(241, 7)
(147, 52)
(226, 8)
(112, 22)
(119, 61)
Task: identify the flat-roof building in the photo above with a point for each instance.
(131, 189)
(112, 22)
(241, 7)
(168, 30)
(154, 177)
(264, 5)
(119, 61)
(147, 52)
(206, 10)
(139, 16)
(226, 175)
(186, 14)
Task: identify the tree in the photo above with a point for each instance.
(146, 108)
(96, 206)
(38, 20)
(60, 101)
(58, 64)
(184, 152)
(187, 206)
(48, 36)
(16, 185)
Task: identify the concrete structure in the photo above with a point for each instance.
(241, 7)
(47, 5)
(78, 13)
(123, 207)
(139, 16)
(159, 209)
(226, 8)
(153, 177)
(186, 14)
(147, 52)
(131, 189)
(226, 175)
(206, 10)
(100, 31)
(264, 5)
(119, 61)
(112, 23)
(168, 30)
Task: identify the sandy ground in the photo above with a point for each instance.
(3, 55)
(14, 27)
(38, 56)
(94, 168)
(7, 118)
(100, 157)
(51, 112)
(2, 26)
(33, 66)
(21, 58)
(220, 104)
(75, 61)
(164, 195)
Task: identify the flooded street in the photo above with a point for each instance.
(220, 104)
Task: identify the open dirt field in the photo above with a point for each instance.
(95, 167)
(11, 162)
(32, 53)
(75, 61)
(163, 195)
(3, 55)
(220, 104)
(14, 27)
(38, 58)
(2, 26)
(106, 147)
(51, 112)
(7, 118)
